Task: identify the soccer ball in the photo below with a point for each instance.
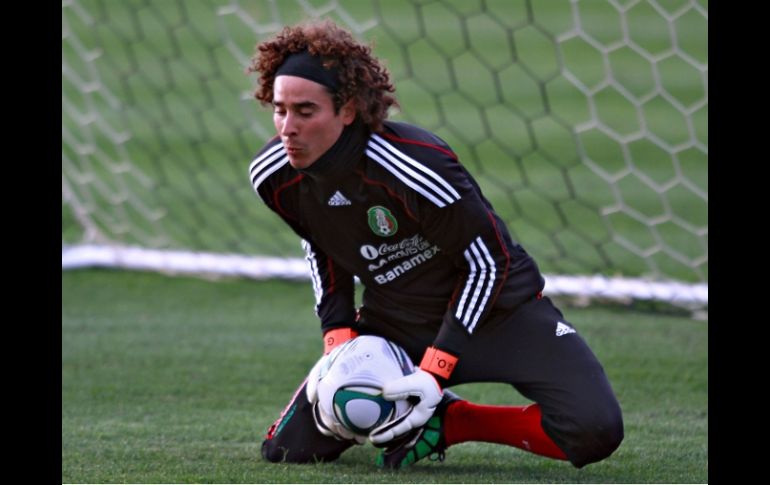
(350, 386)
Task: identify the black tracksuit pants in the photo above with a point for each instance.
(527, 348)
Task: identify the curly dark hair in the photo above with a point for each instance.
(360, 74)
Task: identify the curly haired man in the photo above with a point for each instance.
(391, 203)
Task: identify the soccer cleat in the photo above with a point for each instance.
(427, 440)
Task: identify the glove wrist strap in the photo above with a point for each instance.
(337, 336)
(438, 362)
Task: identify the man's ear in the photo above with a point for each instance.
(348, 112)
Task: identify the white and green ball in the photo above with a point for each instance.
(361, 409)
(350, 386)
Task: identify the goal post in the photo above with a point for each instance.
(585, 123)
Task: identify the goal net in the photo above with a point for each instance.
(584, 122)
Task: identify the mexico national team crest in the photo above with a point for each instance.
(381, 221)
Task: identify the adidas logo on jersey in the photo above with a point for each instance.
(338, 199)
(562, 329)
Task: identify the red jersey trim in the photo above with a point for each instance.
(276, 195)
(422, 144)
(390, 191)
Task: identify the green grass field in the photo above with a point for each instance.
(175, 380)
(159, 128)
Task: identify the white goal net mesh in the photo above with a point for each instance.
(585, 123)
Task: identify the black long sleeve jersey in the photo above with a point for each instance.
(399, 211)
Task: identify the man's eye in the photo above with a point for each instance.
(306, 114)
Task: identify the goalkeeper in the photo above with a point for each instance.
(392, 204)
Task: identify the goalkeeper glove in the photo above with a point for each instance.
(326, 424)
(329, 426)
(423, 385)
(332, 339)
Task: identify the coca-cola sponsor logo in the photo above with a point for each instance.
(407, 247)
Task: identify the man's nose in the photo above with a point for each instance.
(289, 126)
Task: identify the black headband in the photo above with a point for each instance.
(305, 65)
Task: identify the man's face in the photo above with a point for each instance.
(303, 114)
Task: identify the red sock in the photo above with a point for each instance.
(517, 426)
